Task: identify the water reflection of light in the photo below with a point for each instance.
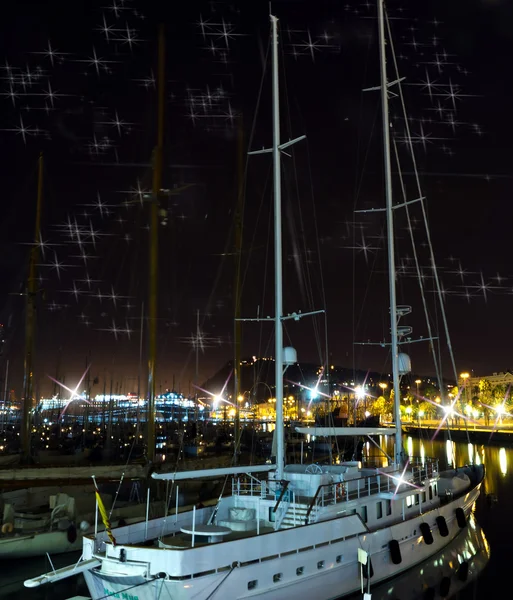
(422, 454)
(410, 446)
(449, 450)
(471, 453)
(503, 461)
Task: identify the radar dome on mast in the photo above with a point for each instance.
(289, 356)
(404, 363)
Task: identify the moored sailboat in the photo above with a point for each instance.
(305, 530)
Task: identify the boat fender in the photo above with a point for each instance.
(460, 517)
(84, 526)
(122, 523)
(341, 491)
(7, 528)
(427, 534)
(72, 534)
(445, 586)
(442, 526)
(463, 571)
(395, 552)
(367, 570)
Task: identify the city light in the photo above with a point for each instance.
(359, 392)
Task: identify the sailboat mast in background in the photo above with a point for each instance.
(153, 248)
(30, 321)
(237, 287)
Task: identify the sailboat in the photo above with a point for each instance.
(302, 531)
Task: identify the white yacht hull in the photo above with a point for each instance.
(329, 568)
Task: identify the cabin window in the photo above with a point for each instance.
(277, 577)
(389, 507)
(320, 564)
(434, 488)
(300, 570)
(409, 501)
(379, 510)
(252, 584)
(430, 493)
(423, 496)
(363, 514)
(417, 499)
(339, 558)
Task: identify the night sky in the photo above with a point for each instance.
(78, 85)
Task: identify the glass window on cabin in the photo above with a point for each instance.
(409, 501)
(417, 499)
(430, 493)
(363, 514)
(339, 558)
(252, 584)
(423, 496)
(277, 577)
(300, 570)
(320, 564)
(379, 510)
(389, 507)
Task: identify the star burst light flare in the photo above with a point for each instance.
(74, 393)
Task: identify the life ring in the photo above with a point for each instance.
(7, 528)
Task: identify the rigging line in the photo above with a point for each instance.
(358, 188)
(424, 215)
(318, 244)
(419, 278)
(220, 583)
(267, 179)
(122, 478)
(253, 244)
(266, 268)
(250, 141)
(358, 184)
(309, 287)
(243, 191)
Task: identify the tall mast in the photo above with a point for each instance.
(390, 231)
(237, 287)
(276, 149)
(153, 247)
(30, 321)
(196, 377)
(278, 283)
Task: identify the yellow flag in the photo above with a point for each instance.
(105, 516)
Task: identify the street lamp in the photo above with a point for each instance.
(418, 382)
(465, 376)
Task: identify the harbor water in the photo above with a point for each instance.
(492, 514)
